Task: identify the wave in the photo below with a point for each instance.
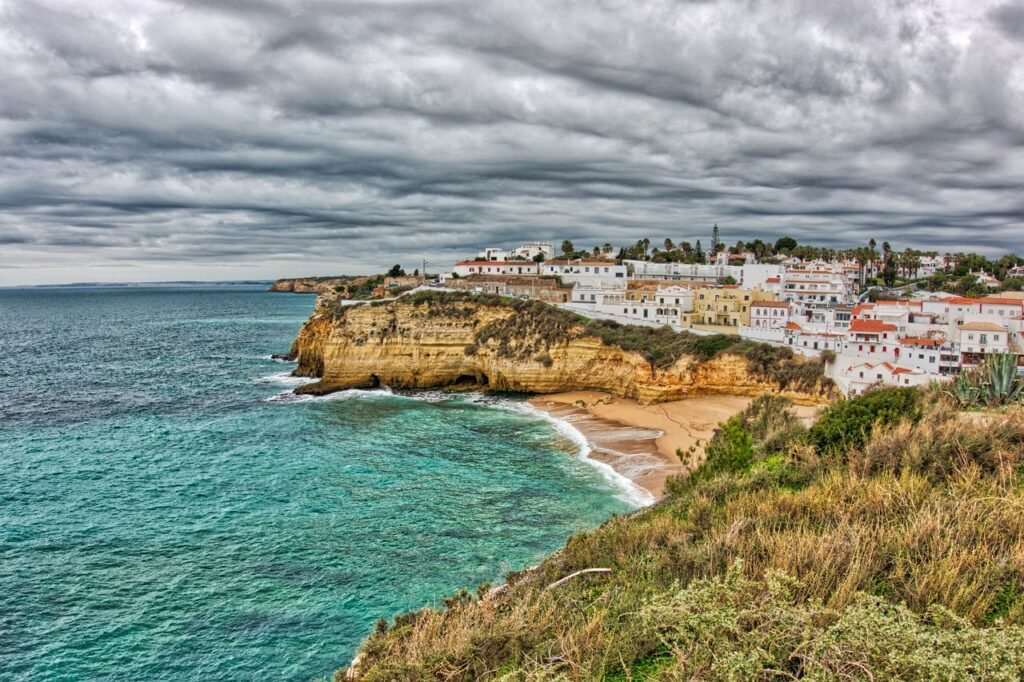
(284, 378)
(629, 491)
(626, 489)
(350, 394)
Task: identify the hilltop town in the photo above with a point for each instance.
(876, 316)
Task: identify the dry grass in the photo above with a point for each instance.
(929, 514)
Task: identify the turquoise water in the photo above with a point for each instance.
(168, 511)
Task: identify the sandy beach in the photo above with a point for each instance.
(640, 441)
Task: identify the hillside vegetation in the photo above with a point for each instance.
(885, 542)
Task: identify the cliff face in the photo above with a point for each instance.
(366, 287)
(406, 345)
(304, 285)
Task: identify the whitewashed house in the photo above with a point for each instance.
(769, 314)
(855, 379)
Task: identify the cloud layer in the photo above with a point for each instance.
(144, 139)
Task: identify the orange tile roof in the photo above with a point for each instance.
(921, 341)
(871, 326)
(793, 325)
(960, 300)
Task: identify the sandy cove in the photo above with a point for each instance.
(640, 441)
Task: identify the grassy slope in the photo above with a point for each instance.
(886, 543)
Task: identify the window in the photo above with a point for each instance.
(983, 338)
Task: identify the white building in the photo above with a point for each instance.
(592, 272)
(533, 249)
(978, 339)
(525, 252)
(769, 314)
(856, 378)
(936, 356)
(747, 275)
(986, 279)
(871, 338)
(666, 307)
(819, 288)
(469, 268)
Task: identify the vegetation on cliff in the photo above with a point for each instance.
(885, 542)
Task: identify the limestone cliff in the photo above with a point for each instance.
(357, 287)
(412, 343)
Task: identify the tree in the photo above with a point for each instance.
(539, 258)
(698, 253)
(715, 241)
(396, 271)
(568, 249)
(785, 244)
(669, 246)
(728, 279)
(889, 270)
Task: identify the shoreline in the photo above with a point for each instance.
(639, 442)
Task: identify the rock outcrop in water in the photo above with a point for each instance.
(461, 341)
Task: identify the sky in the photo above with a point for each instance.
(145, 140)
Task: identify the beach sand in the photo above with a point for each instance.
(640, 441)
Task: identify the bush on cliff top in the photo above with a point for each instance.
(865, 558)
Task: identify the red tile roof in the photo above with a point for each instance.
(871, 326)
(959, 300)
(920, 341)
(793, 325)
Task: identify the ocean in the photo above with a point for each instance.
(169, 510)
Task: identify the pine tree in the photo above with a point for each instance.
(715, 242)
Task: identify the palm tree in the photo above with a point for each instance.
(669, 246)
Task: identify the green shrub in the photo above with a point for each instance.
(731, 449)
(734, 628)
(847, 424)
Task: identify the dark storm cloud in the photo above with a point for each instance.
(291, 136)
(1009, 18)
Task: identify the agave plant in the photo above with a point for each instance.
(1000, 383)
(964, 390)
(993, 384)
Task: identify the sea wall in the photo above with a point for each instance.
(402, 344)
